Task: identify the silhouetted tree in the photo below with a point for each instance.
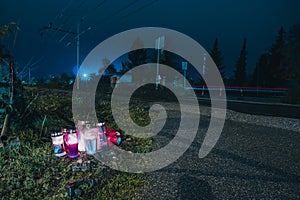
(65, 78)
(215, 54)
(276, 69)
(7, 29)
(240, 71)
(292, 53)
(111, 69)
(108, 67)
(261, 75)
(135, 57)
(125, 66)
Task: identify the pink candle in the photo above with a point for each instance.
(72, 143)
(73, 150)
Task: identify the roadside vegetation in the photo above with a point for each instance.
(31, 170)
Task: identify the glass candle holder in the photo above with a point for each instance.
(90, 140)
(102, 127)
(58, 143)
(102, 139)
(71, 140)
(80, 129)
(64, 132)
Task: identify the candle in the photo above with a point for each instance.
(58, 143)
(102, 127)
(90, 140)
(113, 136)
(102, 140)
(64, 132)
(73, 150)
(71, 139)
(80, 128)
(115, 140)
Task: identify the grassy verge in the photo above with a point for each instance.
(33, 172)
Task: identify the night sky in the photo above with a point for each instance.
(231, 21)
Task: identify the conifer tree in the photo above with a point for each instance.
(240, 71)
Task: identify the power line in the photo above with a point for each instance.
(61, 13)
(67, 19)
(94, 8)
(110, 17)
(63, 10)
(139, 9)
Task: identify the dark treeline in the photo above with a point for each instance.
(277, 67)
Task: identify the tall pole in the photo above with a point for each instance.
(159, 44)
(184, 80)
(184, 68)
(77, 67)
(204, 64)
(77, 33)
(157, 63)
(203, 70)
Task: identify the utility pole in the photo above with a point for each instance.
(77, 33)
(184, 68)
(159, 44)
(204, 64)
(77, 65)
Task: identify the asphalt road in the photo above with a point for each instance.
(248, 162)
(260, 108)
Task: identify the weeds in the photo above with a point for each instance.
(31, 171)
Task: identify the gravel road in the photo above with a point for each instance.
(256, 157)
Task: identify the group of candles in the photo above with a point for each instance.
(88, 138)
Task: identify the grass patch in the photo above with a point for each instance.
(32, 171)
